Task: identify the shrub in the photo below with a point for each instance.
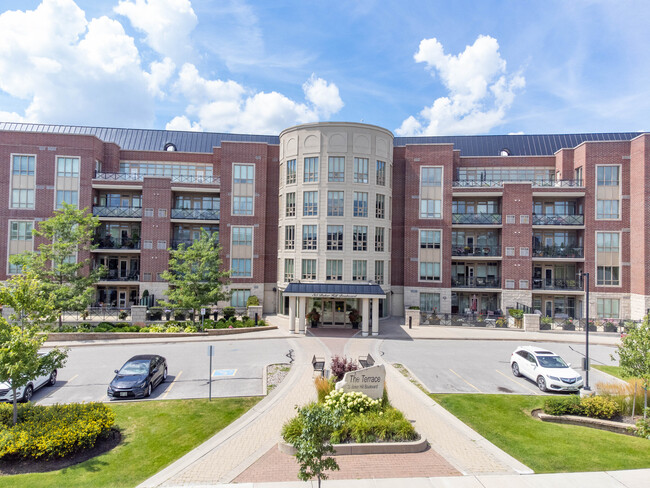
(516, 314)
(599, 407)
(190, 329)
(106, 325)
(172, 329)
(569, 405)
(501, 323)
(568, 325)
(123, 314)
(228, 312)
(341, 365)
(610, 326)
(261, 323)
(157, 328)
(292, 429)
(414, 307)
(144, 329)
(323, 387)
(179, 315)
(592, 326)
(252, 301)
(350, 402)
(53, 431)
(643, 426)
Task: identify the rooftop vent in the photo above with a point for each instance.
(170, 146)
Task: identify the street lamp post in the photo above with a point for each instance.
(586, 365)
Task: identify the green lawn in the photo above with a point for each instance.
(154, 434)
(545, 447)
(613, 370)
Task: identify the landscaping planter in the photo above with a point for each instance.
(369, 448)
(609, 425)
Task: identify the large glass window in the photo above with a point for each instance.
(334, 269)
(335, 203)
(23, 165)
(241, 268)
(359, 238)
(360, 204)
(291, 205)
(431, 176)
(607, 276)
(20, 231)
(22, 198)
(291, 171)
(310, 203)
(336, 169)
(429, 271)
(607, 241)
(379, 239)
(608, 308)
(67, 167)
(69, 197)
(244, 173)
(360, 174)
(607, 209)
(359, 272)
(430, 209)
(430, 302)
(308, 269)
(379, 272)
(429, 239)
(310, 237)
(289, 237)
(242, 236)
(288, 270)
(311, 170)
(238, 298)
(607, 176)
(380, 206)
(242, 205)
(381, 173)
(334, 237)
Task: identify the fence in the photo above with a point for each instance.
(98, 314)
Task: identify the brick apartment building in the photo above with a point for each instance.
(336, 216)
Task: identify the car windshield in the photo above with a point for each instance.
(135, 367)
(552, 362)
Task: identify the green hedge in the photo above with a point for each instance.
(598, 407)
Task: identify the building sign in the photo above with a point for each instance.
(334, 295)
(369, 381)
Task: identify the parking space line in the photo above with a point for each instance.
(70, 380)
(465, 381)
(517, 383)
(171, 385)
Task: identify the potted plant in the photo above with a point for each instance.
(168, 314)
(355, 318)
(313, 317)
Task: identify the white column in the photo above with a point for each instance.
(302, 305)
(292, 315)
(365, 307)
(375, 316)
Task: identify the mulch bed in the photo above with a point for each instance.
(23, 466)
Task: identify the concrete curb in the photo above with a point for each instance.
(368, 448)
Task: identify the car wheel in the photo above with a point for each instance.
(27, 394)
(52, 380)
(164, 375)
(515, 369)
(148, 393)
(541, 383)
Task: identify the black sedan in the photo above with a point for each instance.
(138, 377)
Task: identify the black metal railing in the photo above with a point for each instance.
(477, 183)
(109, 242)
(99, 313)
(558, 252)
(178, 242)
(524, 308)
(117, 176)
(558, 183)
(556, 284)
(558, 219)
(499, 183)
(487, 319)
(195, 214)
(212, 180)
(120, 212)
(477, 251)
(115, 275)
(476, 282)
(476, 219)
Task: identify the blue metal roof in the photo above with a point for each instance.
(204, 142)
(334, 289)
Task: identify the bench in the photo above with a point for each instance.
(318, 364)
(366, 361)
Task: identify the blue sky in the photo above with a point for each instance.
(414, 67)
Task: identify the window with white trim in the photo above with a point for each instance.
(360, 204)
(309, 237)
(431, 192)
(288, 270)
(379, 239)
(379, 272)
(360, 238)
(430, 302)
(381, 173)
(336, 169)
(380, 206)
(309, 203)
(239, 298)
(359, 272)
(308, 269)
(290, 237)
(608, 308)
(510, 219)
(242, 236)
(67, 167)
(334, 269)
(335, 203)
(310, 173)
(510, 284)
(334, 237)
(360, 174)
(21, 198)
(65, 196)
(290, 208)
(241, 268)
(291, 171)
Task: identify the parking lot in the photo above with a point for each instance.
(469, 366)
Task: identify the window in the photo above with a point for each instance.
(69, 197)
(334, 237)
(242, 236)
(242, 205)
(523, 284)
(607, 241)
(607, 275)
(379, 239)
(22, 198)
(381, 173)
(146, 276)
(241, 267)
(608, 308)
(148, 212)
(288, 270)
(431, 176)
(510, 219)
(335, 202)
(308, 269)
(336, 169)
(524, 219)
(311, 170)
(360, 174)
(510, 251)
(162, 245)
(334, 269)
(429, 239)
(360, 204)
(162, 213)
(430, 302)
(290, 237)
(24, 165)
(607, 209)
(67, 167)
(21, 231)
(238, 298)
(147, 244)
(359, 238)
(380, 206)
(430, 209)
(291, 205)
(429, 271)
(578, 175)
(291, 171)
(309, 237)
(510, 284)
(243, 174)
(379, 272)
(310, 203)
(359, 270)
(524, 251)
(607, 176)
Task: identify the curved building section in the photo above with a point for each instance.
(334, 226)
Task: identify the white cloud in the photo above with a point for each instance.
(159, 75)
(166, 23)
(325, 96)
(183, 123)
(480, 90)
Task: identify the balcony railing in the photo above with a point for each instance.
(476, 282)
(476, 219)
(558, 252)
(476, 251)
(177, 242)
(195, 214)
(536, 183)
(123, 212)
(477, 184)
(109, 242)
(558, 219)
(558, 183)
(115, 275)
(556, 284)
(118, 176)
(211, 180)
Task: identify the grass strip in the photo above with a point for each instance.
(616, 371)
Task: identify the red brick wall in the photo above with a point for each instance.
(640, 215)
(397, 251)
(156, 194)
(517, 200)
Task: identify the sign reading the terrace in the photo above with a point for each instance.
(369, 381)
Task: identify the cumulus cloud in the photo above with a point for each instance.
(228, 106)
(480, 89)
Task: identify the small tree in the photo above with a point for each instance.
(30, 299)
(195, 275)
(313, 445)
(634, 355)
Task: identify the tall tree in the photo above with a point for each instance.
(30, 300)
(56, 262)
(195, 275)
(634, 355)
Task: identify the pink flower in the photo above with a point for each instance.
(230, 326)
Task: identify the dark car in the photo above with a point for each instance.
(138, 377)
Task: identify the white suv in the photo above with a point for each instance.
(24, 393)
(546, 368)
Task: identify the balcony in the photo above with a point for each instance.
(558, 252)
(477, 184)
(559, 219)
(535, 183)
(476, 219)
(558, 184)
(178, 242)
(476, 251)
(117, 176)
(476, 282)
(118, 212)
(195, 214)
(210, 180)
(110, 242)
(555, 285)
(120, 275)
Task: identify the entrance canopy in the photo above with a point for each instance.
(334, 290)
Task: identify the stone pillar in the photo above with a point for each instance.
(375, 316)
(255, 309)
(292, 314)
(531, 322)
(365, 307)
(138, 314)
(302, 306)
(413, 315)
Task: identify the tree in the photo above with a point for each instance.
(29, 298)
(195, 275)
(634, 355)
(66, 234)
(313, 445)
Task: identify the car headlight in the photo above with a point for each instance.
(554, 378)
(142, 385)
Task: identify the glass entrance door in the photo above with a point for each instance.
(328, 313)
(339, 312)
